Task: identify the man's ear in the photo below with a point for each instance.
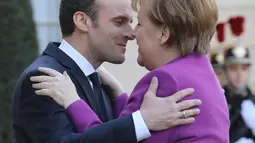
(81, 21)
(165, 34)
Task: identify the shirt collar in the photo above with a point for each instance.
(80, 60)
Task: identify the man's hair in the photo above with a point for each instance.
(69, 7)
(192, 23)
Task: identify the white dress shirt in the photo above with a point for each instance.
(141, 129)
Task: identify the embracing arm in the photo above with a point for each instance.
(81, 120)
(119, 103)
(155, 113)
(44, 121)
(114, 89)
(82, 123)
(167, 86)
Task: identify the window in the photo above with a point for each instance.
(46, 19)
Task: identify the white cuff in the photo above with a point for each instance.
(141, 130)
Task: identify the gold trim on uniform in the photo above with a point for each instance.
(245, 93)
(220, 58)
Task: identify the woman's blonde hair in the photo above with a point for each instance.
(192, 23)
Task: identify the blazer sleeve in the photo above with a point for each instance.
(80, 120)
(44, 121)
(78, 112)
(167, 86)
(119, 103)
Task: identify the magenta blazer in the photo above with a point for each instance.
(193, 71)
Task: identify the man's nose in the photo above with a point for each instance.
(130, 36)
(130, 33)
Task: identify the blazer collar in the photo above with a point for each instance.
(53, 51)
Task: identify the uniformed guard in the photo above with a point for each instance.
(240, 99)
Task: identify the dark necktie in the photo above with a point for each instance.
(98, 93)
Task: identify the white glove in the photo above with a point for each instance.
(248, 114)
(244, 140)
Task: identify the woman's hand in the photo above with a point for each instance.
(55, 85)
(113, 86)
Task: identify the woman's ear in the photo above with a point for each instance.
(81, 21)
(165, 34)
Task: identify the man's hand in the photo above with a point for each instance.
(163, 113)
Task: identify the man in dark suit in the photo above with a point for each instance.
(94, 31)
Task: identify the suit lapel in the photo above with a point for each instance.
(53, 51)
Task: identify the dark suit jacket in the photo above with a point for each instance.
(38, 119)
